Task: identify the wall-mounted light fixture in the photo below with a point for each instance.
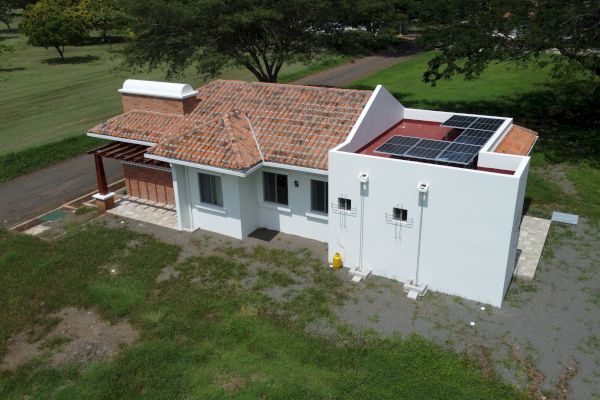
(296, 184)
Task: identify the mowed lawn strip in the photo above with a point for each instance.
(204, 334)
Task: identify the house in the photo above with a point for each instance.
(430, 198)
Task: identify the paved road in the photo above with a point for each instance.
(31, 195)
(347, 73)
(28, 196)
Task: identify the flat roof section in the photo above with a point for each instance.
(412, 128)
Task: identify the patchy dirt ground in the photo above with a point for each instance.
(79, 336)
(545, 337)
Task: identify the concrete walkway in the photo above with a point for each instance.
(531, 243)
(146, 211)
(30, 195)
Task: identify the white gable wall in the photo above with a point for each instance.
(381, 113)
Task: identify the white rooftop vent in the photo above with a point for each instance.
(158, 89)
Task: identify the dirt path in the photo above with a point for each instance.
(349, 72)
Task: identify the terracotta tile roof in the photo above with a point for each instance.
(145, 126)
(225, 142)
(518, 141)
(295, 125)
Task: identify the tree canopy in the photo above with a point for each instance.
(472, 33)
(6, 11)
(260, 35)
(54, 23)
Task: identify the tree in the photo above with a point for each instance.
(260, 35)
(6, 11)
(472, 33)
(104, 16)
(54, 23)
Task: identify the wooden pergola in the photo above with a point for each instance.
(126, 152)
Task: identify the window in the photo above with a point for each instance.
(344, 204)
(400, 214)
(275, 188)
(318, 196)
(210, 189)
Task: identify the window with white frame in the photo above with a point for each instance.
(210, 189)
(318, 196)
(275, 188)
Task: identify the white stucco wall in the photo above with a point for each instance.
(296, 218)
(381, 113)
(466, 230)
(244, 209)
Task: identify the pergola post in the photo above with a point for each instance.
(105, 200)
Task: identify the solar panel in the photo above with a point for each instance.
(474, 136)
(459, 153)
(487, 124)
(459, 121)
(397, 145)
(427, 149)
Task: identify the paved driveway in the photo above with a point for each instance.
(30, 195)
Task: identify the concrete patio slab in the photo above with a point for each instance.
(531, 243)
(36, 230)
(139, 210)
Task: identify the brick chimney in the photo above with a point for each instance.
(164, 97)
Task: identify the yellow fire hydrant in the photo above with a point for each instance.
(337, 261)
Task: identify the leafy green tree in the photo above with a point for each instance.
(472, 33)
(260, 35)
(104, 16)
(54, 23)
(6, 11)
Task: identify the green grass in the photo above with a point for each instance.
(497, 83)
(44, 100)
(22, 162)
(208, 337)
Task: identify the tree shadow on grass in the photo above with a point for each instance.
(13, 69)
(11, 31)
(71, 60)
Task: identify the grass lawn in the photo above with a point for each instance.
(564, 174)
(45, 100)
(205, 334)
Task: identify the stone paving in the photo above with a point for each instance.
(150, 212)
(531, 243)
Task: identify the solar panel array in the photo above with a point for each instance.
(468, 122)
(476, 132)
(428, 149)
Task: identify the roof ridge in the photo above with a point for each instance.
(291, 85)
(231, 131)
